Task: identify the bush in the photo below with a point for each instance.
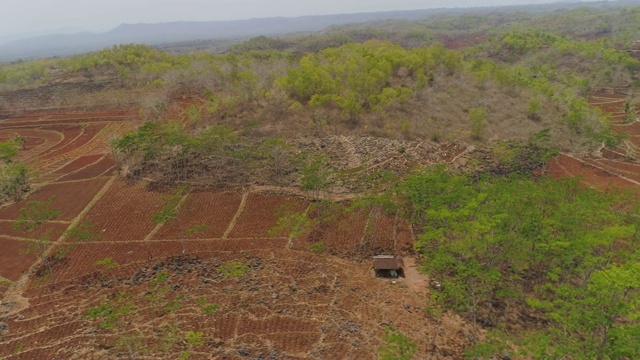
(397, 346)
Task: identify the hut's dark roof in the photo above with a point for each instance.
(387, 262)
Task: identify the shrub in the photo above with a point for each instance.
(233, 269)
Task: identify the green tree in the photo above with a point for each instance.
(315, 174)
(8, 150)
(115, 314)
(292, 225)
(14, 179)
(543, 247)
(478, 119)
(74, 236)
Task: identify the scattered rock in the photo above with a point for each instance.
(243, 352)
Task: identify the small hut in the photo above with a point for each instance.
(388, 266)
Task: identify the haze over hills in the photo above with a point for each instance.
(64, 43)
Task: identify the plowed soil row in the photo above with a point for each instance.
(69, 198)
(105, 166)
(70, 134)
(204, 215)
(40, 119)
(567, 166)
(73, 142)
(288, 305)
(79, 163)
(262, 212)
(614, 168)
(70, 147)
(125, 212)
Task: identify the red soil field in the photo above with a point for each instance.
(262, 212)
(125, 212)
(296, 343)
(79, 163)
(88, 134)
(341, 236)
(632, 129)
(81, 259)
(72, 121)
(380, 234)
(14, 259)
(613, 154)
(628, 170)
(91, 115)
(614, 169)
(52, 117)
(69, 198)
(565, 166)
(276, 324)
(51, 230)
(213, 209)
(32, 142)
(593, 97)
(70, 133)
(404, 237)
(49, 139)
(103, 167)
(289, 304)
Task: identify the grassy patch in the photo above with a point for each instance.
(233, 269)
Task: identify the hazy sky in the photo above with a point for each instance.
(22, 16)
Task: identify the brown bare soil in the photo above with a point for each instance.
(291, 305)
(341, 236)
(79, 163)
(51, 230)
(125, 212)
(105, 166)
(214, 210)
(590, 175)
(70, 133)
(262, 212)
(14, 259)
(616, 168)
(70, 198)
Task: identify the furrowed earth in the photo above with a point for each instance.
(288, 303)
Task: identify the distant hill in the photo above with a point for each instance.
(162, 33)
(182, 31)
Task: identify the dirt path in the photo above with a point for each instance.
(233, 222)
(416, 281)
(14, 300)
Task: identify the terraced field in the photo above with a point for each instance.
(617, 167)
(287, 303)
(290, 303)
